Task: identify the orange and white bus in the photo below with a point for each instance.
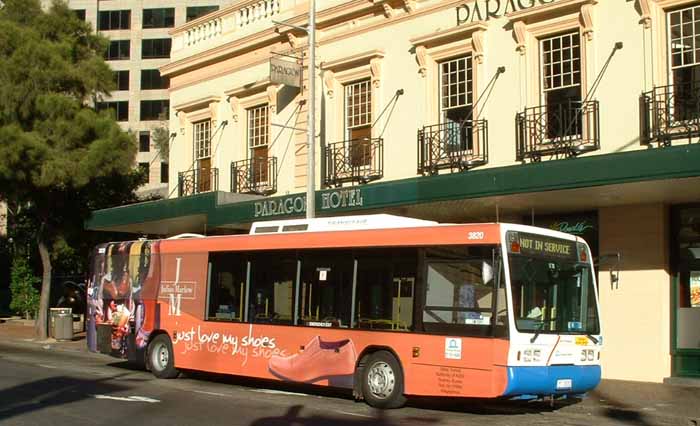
(387, 306)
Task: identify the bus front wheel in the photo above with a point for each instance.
(382, 381)
(161, 359)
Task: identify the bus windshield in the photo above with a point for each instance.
(552, 290)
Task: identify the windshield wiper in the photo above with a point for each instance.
(593, 339)
(537, 333)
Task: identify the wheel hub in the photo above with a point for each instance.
(381, 380)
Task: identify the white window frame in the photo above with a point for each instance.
(464, 87)
(258, 134)
(364, 117)
(202, 139)
(572, 60)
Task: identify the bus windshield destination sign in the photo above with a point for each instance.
(538, 245)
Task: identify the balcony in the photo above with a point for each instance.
(254, 176)
(453, 146)
(196, 181)
(353, 161)
(558, 130)
(670, 113)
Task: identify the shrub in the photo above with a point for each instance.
(25, 298)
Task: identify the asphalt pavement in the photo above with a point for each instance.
(47, 383)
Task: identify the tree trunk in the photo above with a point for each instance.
(41, 318)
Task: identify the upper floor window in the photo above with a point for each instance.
(155, 48)
(202, 139)
(144, 168)
(152, 80)
(121, 78)
(154, 110)
(159, 18)
(258, 139)
(561, 83)
(120, 108)
(114, 20)
(358, 121)
(117, 50)
(164, 172)
(456, 96)
(79, 13)
(194, 12)
(144, 141)
(684, 50)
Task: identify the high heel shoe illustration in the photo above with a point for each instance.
(319, 360)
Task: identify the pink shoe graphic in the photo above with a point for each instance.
(318, 360)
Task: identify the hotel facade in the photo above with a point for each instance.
(579, 115)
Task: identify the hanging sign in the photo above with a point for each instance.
(285, 72)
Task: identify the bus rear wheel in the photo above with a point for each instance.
(161, 359)
(382, 381)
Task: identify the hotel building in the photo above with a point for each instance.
(579, 115)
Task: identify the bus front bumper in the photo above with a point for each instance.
(552, 380)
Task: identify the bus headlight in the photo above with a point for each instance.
(532, 355)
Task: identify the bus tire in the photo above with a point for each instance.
(382, 381)
(161, 357)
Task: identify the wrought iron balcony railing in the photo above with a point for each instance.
(557, 130)
(454, 146)
(670, 113)
(196, 181)
(356, 160)
(256, 175)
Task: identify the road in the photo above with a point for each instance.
(51, 387)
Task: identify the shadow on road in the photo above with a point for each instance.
(617, 410)
(293, 416)
(50, 392)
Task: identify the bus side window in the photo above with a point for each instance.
(459, 291)
(272, 287)
(386, 281)
(326, 288)
(227, 287)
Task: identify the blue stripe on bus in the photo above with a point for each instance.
(543, 380)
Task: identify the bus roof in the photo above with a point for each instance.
(483, 233)
(339, 223)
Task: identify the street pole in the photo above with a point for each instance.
(311, 121)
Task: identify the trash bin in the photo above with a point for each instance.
(61, 323)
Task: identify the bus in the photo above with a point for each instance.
(386, 306)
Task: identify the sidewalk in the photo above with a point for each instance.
(22, 331)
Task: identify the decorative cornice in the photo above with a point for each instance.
(646, 13)
(478, 46)
(328, 82)
(587, 21)
(422, 59)
(293, 40)
(269, 36)
(196, 104)
(272, 96)
(235, 104)
(409, 5)
(375, 68)
(520, 32)
(388, 11)
(248, 89)
(350, 61)
(445, 36)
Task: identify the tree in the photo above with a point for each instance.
(25, 298)
(59, 159)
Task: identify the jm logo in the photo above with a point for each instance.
(174, 308)
(175, 299)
